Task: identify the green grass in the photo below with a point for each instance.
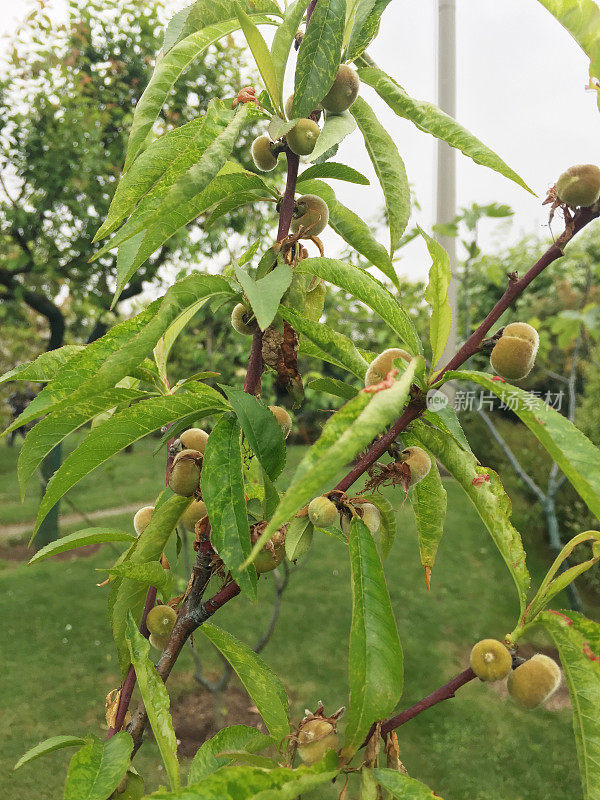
(58, 661)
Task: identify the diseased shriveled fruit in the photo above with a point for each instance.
(194, 439)
(273, 552)
(371, 516)
(262, 154)
(383, 363)
(490, 660)
(418, 461)
(343, 92)
(322, 512)
(130, 788)
(303, 137)
(142, 519)
(310, 213)
(283, 418)
(195, 511)
(242, 320)
(158, 642)
(533, 682)
(513, 355)
(315, 737)
(579, 186)
(160, 620)
(184, 476)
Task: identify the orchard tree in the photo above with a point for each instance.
(223, 482)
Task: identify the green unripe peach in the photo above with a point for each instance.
(418, 461)
(513, 355)
(142, 519)
(184, 477)
(130, 788)
(371, 516)
(194, 512)
(158, 642)
(522, 330)
(315, 738)
(579, 186)
(283, 418)
(303, 137)
(160, 620)
(343, 92)
(533, 682)
(322, 512)
(194, 439)
(383, 363)
(311, 213)
(272, 554)
(490, 660)
(243, 321)
(288, 106)
(262, 154)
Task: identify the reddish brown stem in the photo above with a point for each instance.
(309, 10)
(255, 364)
(286, 209)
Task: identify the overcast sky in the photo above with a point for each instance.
(521, 89)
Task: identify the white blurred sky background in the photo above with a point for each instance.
(521, 89)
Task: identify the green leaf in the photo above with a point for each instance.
(163, 347)
(298, 538)
(97, 769)
(123, 429)
(49, 746)
(375, 661)
(335, 129)
(44, 367)
(366, 26)
(333, 386)
(344, 435)
(80, 539)
(328, 340)
(283, 39)
(156, 700)
(335, 171)
(319, 56)
(369, 291)
(387, 530)
(487, 494)
(388, 166)
(150, 573)
(265, 294)
(261, 54)
(574, 453)
(430, 119)
(578, 643)
(402, 787)
(446, 420)
(222, 484)
(429, 501)
(54, 428)
(237, 737)
(129, 595)
(261, 429)
(259, 680)
(307, 348)
(436, 295)
(582, 19)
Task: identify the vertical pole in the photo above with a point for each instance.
(446, 155)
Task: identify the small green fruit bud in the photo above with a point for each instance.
(371, 516)
(310, 213)
(303, 137)
(160, 620)
(383, 363)
(158, 642)
(142, 519)
(131, 787)
(490, 660)
(533, 682)
(273, 552)
(514, 353)
(315, 737)
(418, 461)
(242, 320)
(343, 92)
(283, 418)
(579, 186)
(184, 477)
(322, 512)
(194, 439)
(262, 154)
(194, 512)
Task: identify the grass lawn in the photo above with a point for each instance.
(58, 661)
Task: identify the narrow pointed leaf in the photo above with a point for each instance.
(156, 700)
(265, 294)
(388, 166)
(436, 295)
(81, 539)
(366, 26)
(283, 40)
(335, 171)
(430, 119)
(386, 534)
(261, 54)
(97, 769)
(333, 386)
(237, 737)
(44, 367)
(335, 129)
(375, 660)
(298, 538)
(261, 429)
(150, 573)
(401, 787)
(261, 683)
(49, 746)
